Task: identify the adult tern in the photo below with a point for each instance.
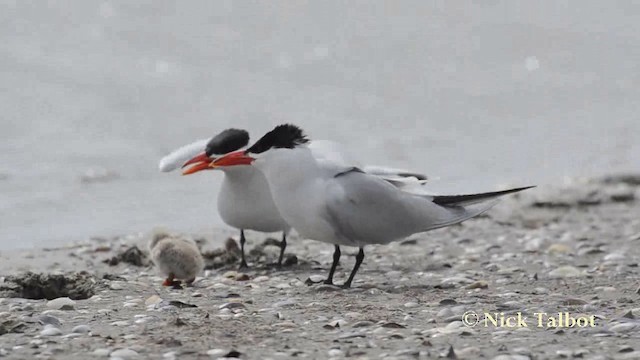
(343, 205)
(244, 199)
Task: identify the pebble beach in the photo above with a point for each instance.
(549, 274)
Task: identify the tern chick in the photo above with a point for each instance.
(177, 258)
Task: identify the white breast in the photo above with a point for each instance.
(245, 201)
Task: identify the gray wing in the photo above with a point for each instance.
(365, 209)
(384, 171)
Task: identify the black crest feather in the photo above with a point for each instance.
(227, 141)
(282, 136)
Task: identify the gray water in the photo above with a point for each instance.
(476, 95)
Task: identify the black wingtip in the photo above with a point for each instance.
(475, 198)
(227, 141)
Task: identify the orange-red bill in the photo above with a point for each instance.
(195, 168)
(200, 162)
(202, 157)
(231, 159)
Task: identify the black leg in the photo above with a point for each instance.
(283, 245)
(336, 259)
(359, 259)
(243, 262)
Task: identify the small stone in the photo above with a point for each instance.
(605, 289)
(573, 301)
(216, 352)
(120, 323)
(634, 355)
(471, 352)
(408, 353)
(49, 320)
(230, 274)
(233, 354)
(71, 335)
(284, 303)
(455, 280)
(625, 349)
(558, 249)
(335, 353)
(512, 357)
(533, 245)
(326, 288)
(445, 313)
(614, 257)
(259, 279)
(363, 323)
(36, 343)
(50, 331)
(564, 354)
(629, 315)
(54, 312)
(116, 285)
(285, 325)
(242, 277)
(448, 302)
(565, 272)
(317, 278)
(81, 329)
(233, 305)
(588, 250)
(101, 352)
(522, 350)
(353, 315)
(125, 353)
(392, 325)
(480, 284)
(153, 300)
(62, 303)
(509, 305)
(336, 324)
(623, 327)
(540, 291)
(411, 305)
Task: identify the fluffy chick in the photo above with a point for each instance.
(176, 257)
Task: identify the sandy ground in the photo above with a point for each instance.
(573, 249)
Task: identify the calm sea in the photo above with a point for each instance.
(475, 95)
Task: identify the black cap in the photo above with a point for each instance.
(227, 141)
(282, 136)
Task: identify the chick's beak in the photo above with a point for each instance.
(200, 162)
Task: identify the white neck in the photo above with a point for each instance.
(288, 168)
